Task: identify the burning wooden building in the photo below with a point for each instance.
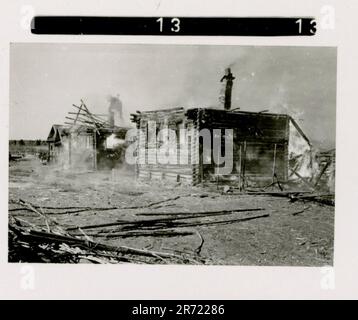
(255, 148)
(56, 140)
(87, 142)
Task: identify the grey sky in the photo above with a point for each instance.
(45, 79)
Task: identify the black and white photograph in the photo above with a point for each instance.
(172, 154)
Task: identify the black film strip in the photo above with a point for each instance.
(174, 26)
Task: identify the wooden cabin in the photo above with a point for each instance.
(88, 141)
(263, 147)
(83, 147)
(56, 141)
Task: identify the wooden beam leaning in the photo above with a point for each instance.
(89, 115)
(274, 163)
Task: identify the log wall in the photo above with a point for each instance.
(153, 164)
(260, 146)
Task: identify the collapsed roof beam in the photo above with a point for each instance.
(300, 131)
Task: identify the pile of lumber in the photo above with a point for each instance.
(328, 199)
(166, 226)
(31, 245)
(52, 242)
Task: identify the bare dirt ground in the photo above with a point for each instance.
(282, 238)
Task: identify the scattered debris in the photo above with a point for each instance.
(301, 211)
(198, 249)
(34, 245)
(169, 226)
(327, 199)
(198, 214)
(56, 243)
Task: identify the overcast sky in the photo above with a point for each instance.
(45, 79)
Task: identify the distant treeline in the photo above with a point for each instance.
(31, 143)
(35, 147)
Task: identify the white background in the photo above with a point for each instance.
(196, 282)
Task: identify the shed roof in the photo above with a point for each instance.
(225, 115)
(57, 132)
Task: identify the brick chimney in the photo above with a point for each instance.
(115, 115)
(111, 118)
(227, 80)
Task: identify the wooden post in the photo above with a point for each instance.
(70, 150)
(200, 146)
(217, 165)
(274, 164)
(201, 162)
(136, 169)
(243, 166)
(240, 187)
(94, 150)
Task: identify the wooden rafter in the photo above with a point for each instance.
(78, 114)
(300, 131)
(84, 117)
(95, 119)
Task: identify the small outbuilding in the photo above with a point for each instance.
(87, 142)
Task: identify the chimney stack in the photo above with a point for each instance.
(227, 79)
(115, 115)
(111, 118)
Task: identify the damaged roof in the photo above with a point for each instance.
(57, 132)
